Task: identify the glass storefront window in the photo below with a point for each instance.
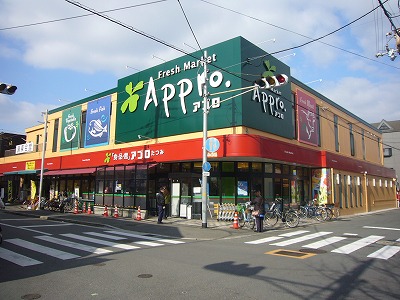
(285, 169)
(186, 167)
(256, 167)
(214, 166)
(175, 167)
(228, 166)
(268, 168)
(278, 169)
(228, 189)
(243, 167)
(197, 167)
(163, 168)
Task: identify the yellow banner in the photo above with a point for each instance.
(30, 165)
(33, 189)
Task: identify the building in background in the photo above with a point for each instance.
(119, 146)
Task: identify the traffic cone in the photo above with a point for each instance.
(139, 215)
(116, 212)
(84, 207)
(105, 213)
(236, 221)
(89, 210)
(76, 207)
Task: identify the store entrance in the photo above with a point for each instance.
(185, 195)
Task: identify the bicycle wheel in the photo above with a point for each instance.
(329, 213)
(292, 219)
(242, 219)
(270, 219)
(320, 214)
(336, 213)
(302, 212)
(252, 222)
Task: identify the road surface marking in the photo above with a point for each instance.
(42, 249)
(144, 237)
(101, 242)
(265, 240)
(358, 244)
(324, 242)
(73, 245)
(18, 259)
(384, 228)
(107, 236)
(385, 252)
(298, 232)
(301, 239)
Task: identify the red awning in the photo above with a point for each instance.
(70, 172)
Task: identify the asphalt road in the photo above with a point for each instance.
(352, 258)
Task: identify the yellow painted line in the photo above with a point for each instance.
(290, 253)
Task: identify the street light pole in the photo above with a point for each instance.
(204, 175)
(46, 113)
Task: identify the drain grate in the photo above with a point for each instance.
(290, 253)
(310, 250)
(145, 276)
(31, 296)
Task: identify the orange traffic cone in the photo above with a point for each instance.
(116, 212)
(76, 207)
(139, 214)
(105, 213)
(89, 210)
(236, 221)
(84, 207)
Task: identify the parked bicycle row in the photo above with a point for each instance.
(290, 216)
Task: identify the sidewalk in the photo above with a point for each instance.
(172, 226)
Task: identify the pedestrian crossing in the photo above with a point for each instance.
(69, 246)
(327, 238)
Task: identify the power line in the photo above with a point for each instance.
(80, 16)
(183, 11)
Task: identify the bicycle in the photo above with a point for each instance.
(244, 215)
(312, 210)
(288, 216)
(332, 211)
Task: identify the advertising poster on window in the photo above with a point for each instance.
(321, 185)
(71, 128)
(308, 130)
(98, 122)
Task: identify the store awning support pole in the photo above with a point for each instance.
(204, 175)
(46, 113)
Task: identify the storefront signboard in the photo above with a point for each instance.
(98, 122)
(70, 131)
(307, 118)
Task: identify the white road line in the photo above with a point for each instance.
(18, 259)
(358, 244)
(384, 228)
(151, 244)
(144, 237)
(42, 249)
(264, 240)
(73, 245)
(325, 242)
(107, 236)
(101, 242)
(350, 234)
(301, 239)
(50, 225)
(298, 232)
(385, 252)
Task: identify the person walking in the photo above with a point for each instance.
(160, 199)
(259, 210)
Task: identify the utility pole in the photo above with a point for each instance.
(204, 179)
(46, 113)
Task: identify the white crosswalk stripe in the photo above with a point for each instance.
(349, 248)
(42, 249)
(74, 245)
(18, 259)
(77, 242)
(145, 237)
(100, 242)
(301, 239)
(297, 237)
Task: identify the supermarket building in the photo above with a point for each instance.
(119, 146)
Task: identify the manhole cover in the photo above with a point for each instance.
(315, 251)
(31, 296)
(145, 275)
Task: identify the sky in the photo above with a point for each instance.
(57, 53)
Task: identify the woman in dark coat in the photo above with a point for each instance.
(258, 203)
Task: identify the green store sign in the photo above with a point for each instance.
(167, 99)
